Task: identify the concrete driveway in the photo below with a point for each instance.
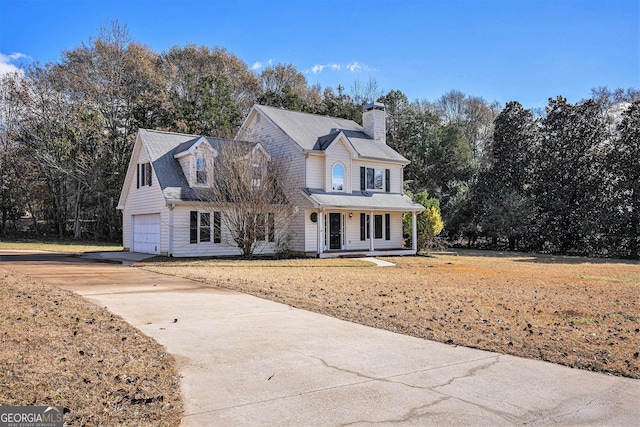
(249, 361)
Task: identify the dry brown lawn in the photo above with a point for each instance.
(578, 312)
(57, 348)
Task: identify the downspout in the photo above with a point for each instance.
(319, 227)
(414, 233)
(171, 207)
(371, 231)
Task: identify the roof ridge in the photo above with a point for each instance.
(173, 133)
(307, 114)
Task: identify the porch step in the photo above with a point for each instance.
(352, 255)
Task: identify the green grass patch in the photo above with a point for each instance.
(59, 246)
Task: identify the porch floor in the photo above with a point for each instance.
(362, 253)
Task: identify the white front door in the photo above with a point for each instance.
(146, 234)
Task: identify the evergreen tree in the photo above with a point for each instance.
(625, 189)
(568, 186)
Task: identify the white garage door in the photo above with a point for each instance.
(146, 234)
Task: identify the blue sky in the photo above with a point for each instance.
(498, 49)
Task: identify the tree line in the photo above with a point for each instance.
(562, 180)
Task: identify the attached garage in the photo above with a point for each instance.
(146, 234)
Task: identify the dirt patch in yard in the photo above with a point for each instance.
(573, 311)
(58, 349)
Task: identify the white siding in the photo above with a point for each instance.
(142, 201)
(182, 246)
(281, 147)
(315, 172)
(338, 153)
(188, 168)
(311, 234)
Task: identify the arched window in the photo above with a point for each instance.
(337, 177)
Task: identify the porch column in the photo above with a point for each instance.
(414, 232)
(320, 239)
(371, 231)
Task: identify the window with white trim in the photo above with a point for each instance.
(201, 170)
(144, 174)
(201, 229)
(337, 177)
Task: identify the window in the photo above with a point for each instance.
(205, 227)
(193, 227)
(260, 228)
(387, 226)
(217, 229)
(374, 179)
(271, 223)
(337, 177)
(256, 175)
(200, 227)
(144, 174)
(201, 171)
(365, 232)
(377, 232)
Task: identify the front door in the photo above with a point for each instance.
(334, 231)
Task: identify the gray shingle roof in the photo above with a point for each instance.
(363, 200)
(161, 146)
(311, 131)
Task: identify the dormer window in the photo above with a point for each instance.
(256, 175)
(201, 171)
(337, 177)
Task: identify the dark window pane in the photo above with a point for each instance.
(271, 219)
(217, 233)
(205, 227)
(371, 178)
(378, 226)
(260, 229)
(387, 227)
(193, 227)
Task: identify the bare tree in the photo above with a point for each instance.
(365, 92)
(249, 187)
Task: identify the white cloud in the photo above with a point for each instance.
(6, 65)
(353, 67)
(356, 66)
(259, 64)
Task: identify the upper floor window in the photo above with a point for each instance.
(337, 177)
(144, 174)
(375, 179)
(256, 175)
(201, 171)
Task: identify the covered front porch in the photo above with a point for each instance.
(361, 224)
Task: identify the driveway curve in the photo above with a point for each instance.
(249, 361)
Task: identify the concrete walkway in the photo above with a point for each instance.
(248, 361)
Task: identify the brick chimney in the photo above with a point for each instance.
(373, 121)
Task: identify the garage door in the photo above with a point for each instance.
(146, 234)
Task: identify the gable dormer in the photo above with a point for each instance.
(197, 163)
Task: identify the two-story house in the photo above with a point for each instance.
(344, 181)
